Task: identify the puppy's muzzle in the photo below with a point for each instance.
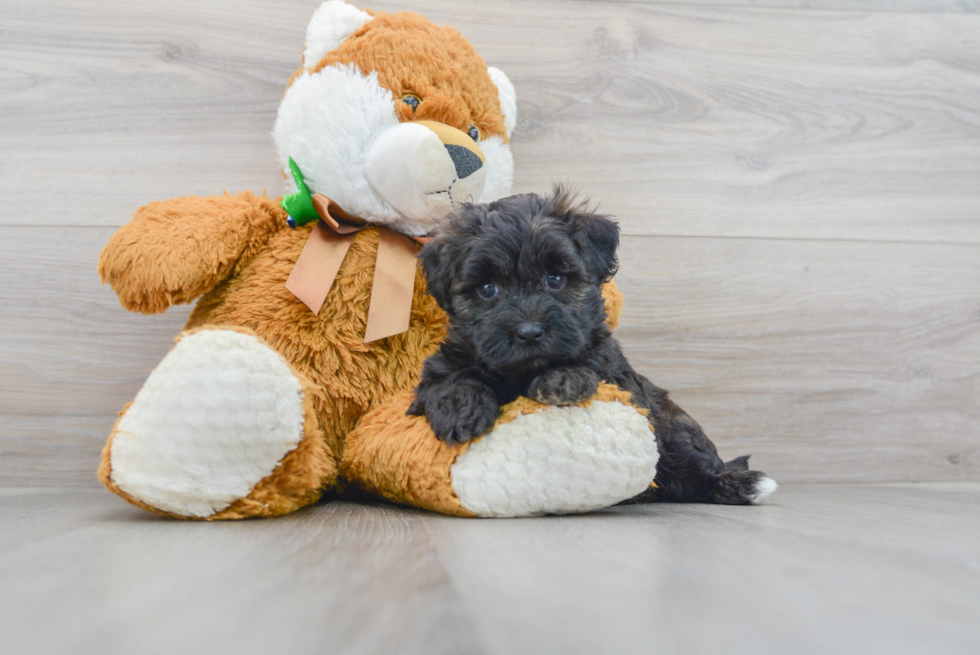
(425, 169)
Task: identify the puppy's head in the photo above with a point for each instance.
(521, 278)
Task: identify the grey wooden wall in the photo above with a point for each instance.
(798, 184)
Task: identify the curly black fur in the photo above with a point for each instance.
(542, 334)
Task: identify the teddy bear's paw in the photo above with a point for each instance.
(558, 460)
(217, 417)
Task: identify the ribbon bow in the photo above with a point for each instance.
(317, 266)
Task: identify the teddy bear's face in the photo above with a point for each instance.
(396, 119)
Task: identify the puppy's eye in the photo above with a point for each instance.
(412, 101)
(488, 291)
(555, 282)
(474, 132)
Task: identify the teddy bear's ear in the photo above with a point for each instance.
(508, 97)
(332, 23)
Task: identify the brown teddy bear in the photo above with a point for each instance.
(295, 369)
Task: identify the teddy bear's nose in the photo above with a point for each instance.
(466, 161)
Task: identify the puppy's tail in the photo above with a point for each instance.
(738, 464)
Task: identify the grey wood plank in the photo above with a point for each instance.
(945, 527)
(66, 345)
(684, 120)
(829, 361)
(820, 569)
(918, 6)
(339, 578)
(39, 450)
(110, 105)
(696, 579)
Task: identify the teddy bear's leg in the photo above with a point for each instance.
(223, 428)
(396, 456)
(537, 459)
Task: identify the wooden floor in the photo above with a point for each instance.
(867, 569)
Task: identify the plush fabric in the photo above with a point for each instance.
(433, 62)
(536, 460)
(346, 378)
(500, 168)
(396, 456)
(328, 348)
(333, 111)
(508, 97)
(304, 471)
(307, 385)
(332, 23)
(327, 122)
(172, 251)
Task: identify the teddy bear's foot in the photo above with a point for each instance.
(537, 459)
(223, 428)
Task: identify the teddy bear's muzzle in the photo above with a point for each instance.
(425, 169)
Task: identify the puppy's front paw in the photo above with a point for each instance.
(565, 385)
(461, 411)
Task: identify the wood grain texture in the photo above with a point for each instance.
(684, 120)
(798, 189)
(938, 6)
(820, 569)
(828, 361)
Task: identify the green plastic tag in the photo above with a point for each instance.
(299, 205)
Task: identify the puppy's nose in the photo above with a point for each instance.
(529, 332)
(466, 161)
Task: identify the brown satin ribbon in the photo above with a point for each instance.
(394, 273)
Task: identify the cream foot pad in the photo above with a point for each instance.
(558, 460)
(216, 416)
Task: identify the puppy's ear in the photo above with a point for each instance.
(596, 235)
(442, 257)
(439, 269)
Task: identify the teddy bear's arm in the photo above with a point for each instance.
(172, 251)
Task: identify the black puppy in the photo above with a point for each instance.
(521, 280)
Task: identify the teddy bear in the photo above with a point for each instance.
(294, 372)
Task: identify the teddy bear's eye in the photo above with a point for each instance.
(488, 291)
(412, 101)
(474, 132)
(555, 282)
